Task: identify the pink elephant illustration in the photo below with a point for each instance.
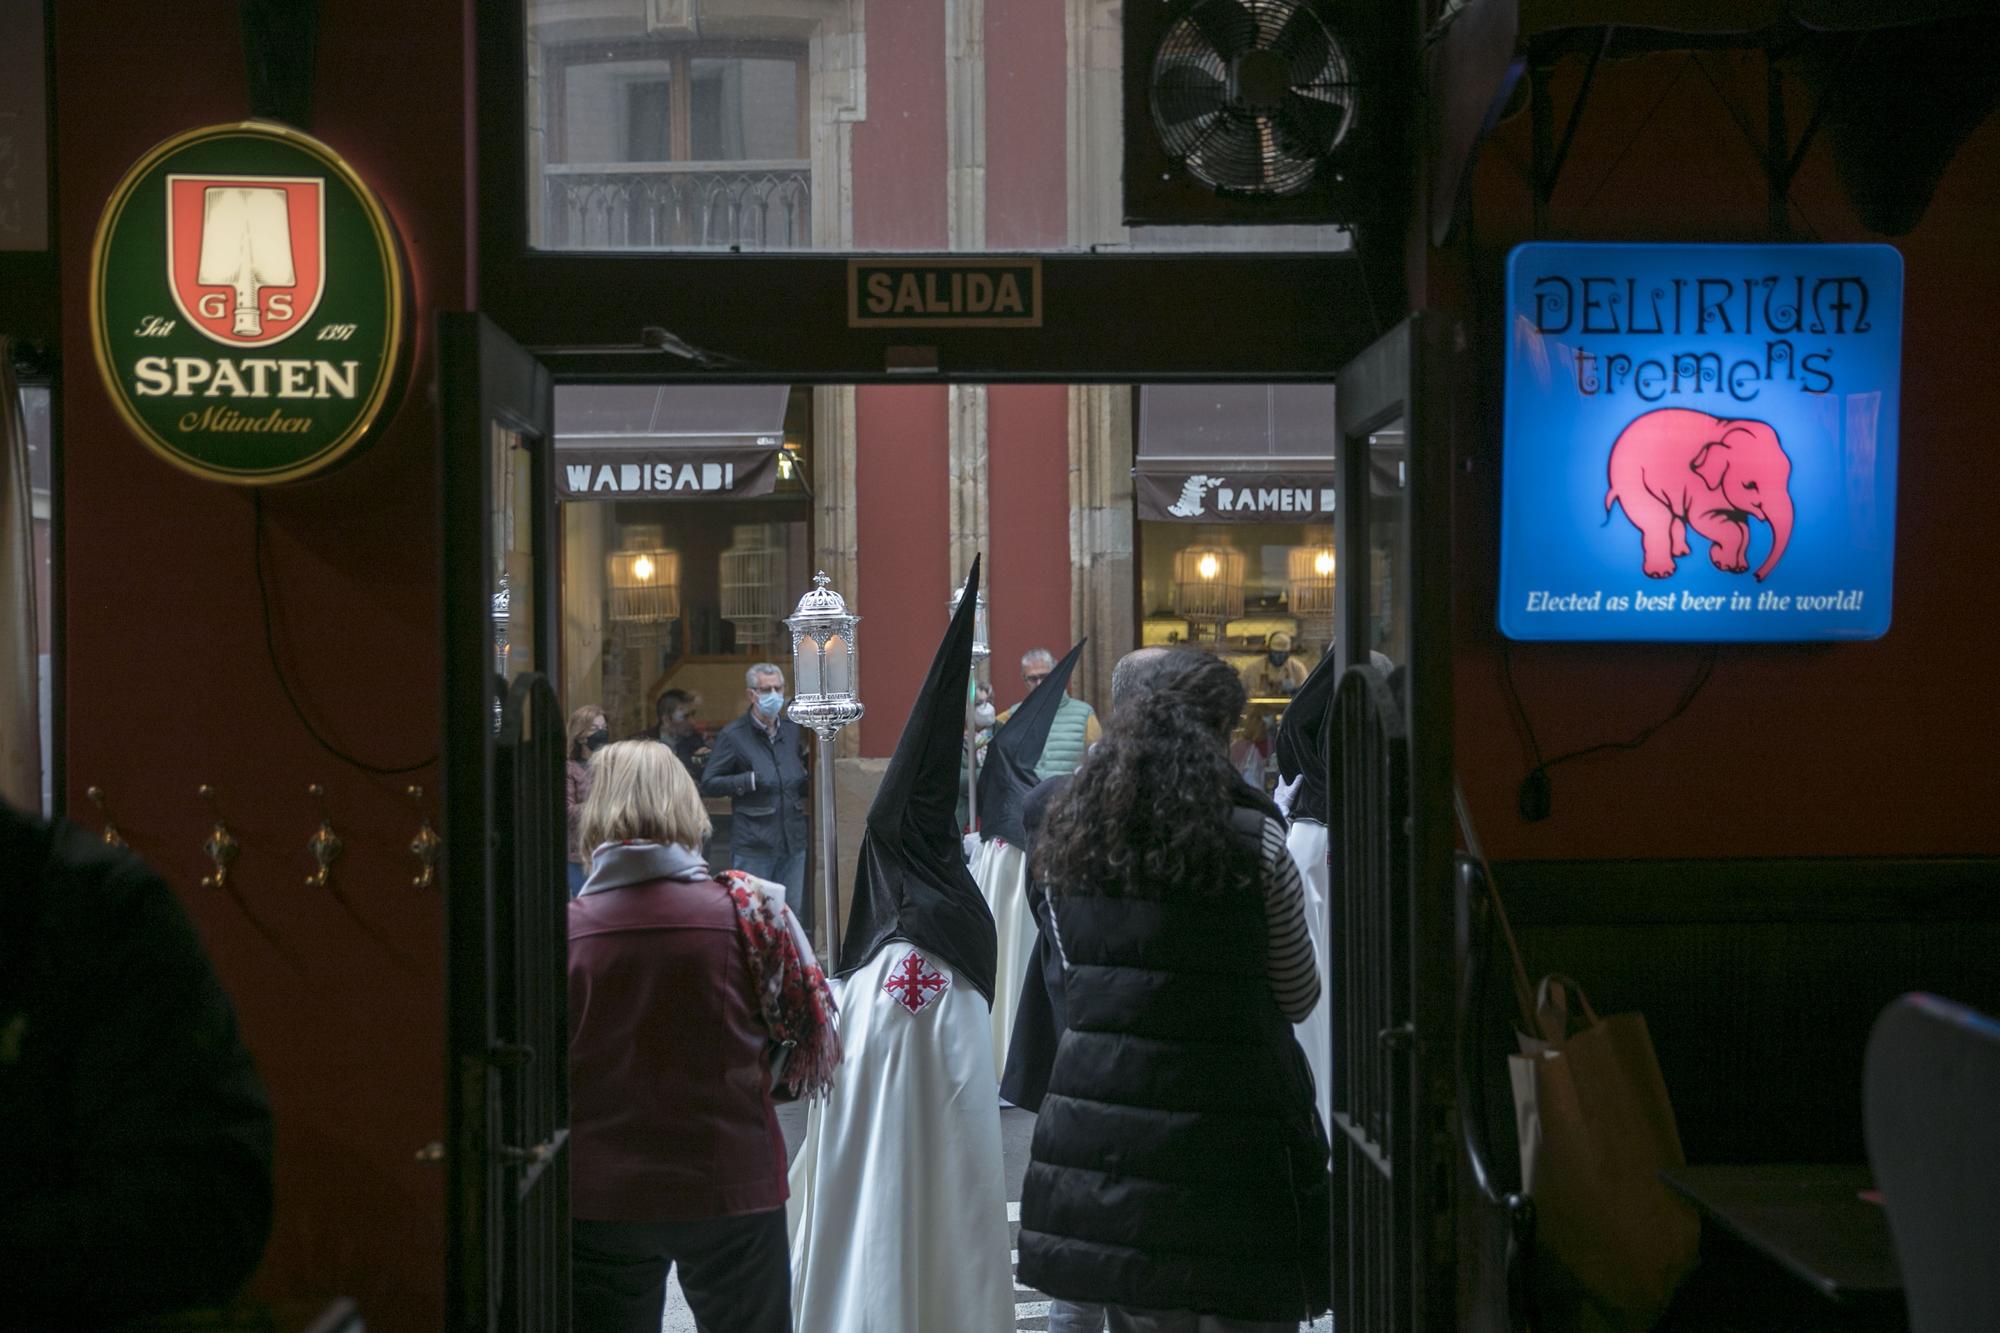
(1676, 469)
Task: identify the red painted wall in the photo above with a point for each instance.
(903, 583)
(1028, 515)
(167, 679)
(899, 150)
(1027, 129)
(1027, 460)
(901, 478)
(1884, 748)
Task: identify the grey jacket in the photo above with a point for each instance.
(766, 779)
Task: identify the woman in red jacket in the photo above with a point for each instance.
(686, 993)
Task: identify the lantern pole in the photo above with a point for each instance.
(981, 650)
(823, 677)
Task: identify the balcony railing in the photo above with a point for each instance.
(677, 205)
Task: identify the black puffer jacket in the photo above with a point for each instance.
(1178, 1162)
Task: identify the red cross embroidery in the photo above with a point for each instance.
(914, 983)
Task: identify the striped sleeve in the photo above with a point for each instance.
(1289, 967)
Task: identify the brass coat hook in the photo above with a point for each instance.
(324, 844)
(220, 847)
(427, 846)
(112, 837)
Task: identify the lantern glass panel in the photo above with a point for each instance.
(838, 665)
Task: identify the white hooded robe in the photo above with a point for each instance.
(1002, 871)
(898, 1213)
(1307, 841)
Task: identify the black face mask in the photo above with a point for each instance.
(596, 740)
(1278, 659)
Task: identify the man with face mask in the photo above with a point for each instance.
(1277, 673)
(758, 761)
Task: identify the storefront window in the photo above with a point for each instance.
(1230, 587)
(1234, 485)
(848, 126)
(686, 539)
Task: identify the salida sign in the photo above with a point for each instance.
(1700, 442)
(945, 294)
(247, 303)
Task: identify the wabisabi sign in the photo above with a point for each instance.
(1700, 442)
(247, 303)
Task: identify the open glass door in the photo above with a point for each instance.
(505, 894)
(1390, 903)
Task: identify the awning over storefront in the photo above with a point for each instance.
(1235, 453)
(668, 442)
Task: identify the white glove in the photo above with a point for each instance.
(1286, 792)
(971, 844)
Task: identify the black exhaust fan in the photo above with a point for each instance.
(1239, 111)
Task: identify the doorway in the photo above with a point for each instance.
(903, 486)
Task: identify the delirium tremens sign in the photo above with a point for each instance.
(1700, 442)
(247, 303)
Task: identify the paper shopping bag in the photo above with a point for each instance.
(1596, 1129)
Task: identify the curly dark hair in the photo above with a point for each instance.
(1150, 809)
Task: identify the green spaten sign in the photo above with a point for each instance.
(247, 303)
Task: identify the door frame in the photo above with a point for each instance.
(485, 380)
(1405, 374)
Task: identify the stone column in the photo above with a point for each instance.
(1100, 533)
(838, 72)
(965, 217)
(1100, 416)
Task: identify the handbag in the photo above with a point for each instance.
(1596, 1128)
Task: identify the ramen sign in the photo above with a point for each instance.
(246, 303)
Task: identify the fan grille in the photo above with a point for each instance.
(1252, 96)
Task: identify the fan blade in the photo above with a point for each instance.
(1304, 44)
(1309, 127)
(1281, 170)
(1186, 92)
(1229, 27)
(1228, 155)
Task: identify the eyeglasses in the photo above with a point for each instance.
(1034, 680)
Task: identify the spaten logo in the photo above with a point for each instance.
(246, 255)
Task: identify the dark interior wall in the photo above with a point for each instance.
(1875, 749)
(1759, 981)
(168, 682)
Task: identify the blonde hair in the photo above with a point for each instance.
(640, 792)
(580, 728)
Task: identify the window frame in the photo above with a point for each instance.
(1109, 317)
(679, 55)
(31, 315)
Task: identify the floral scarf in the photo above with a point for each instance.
(792, 994)
(793, 999)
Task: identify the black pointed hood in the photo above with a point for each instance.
(1016, 748)
(910, 882)
(1301, 741)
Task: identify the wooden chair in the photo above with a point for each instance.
(1932, 1117)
